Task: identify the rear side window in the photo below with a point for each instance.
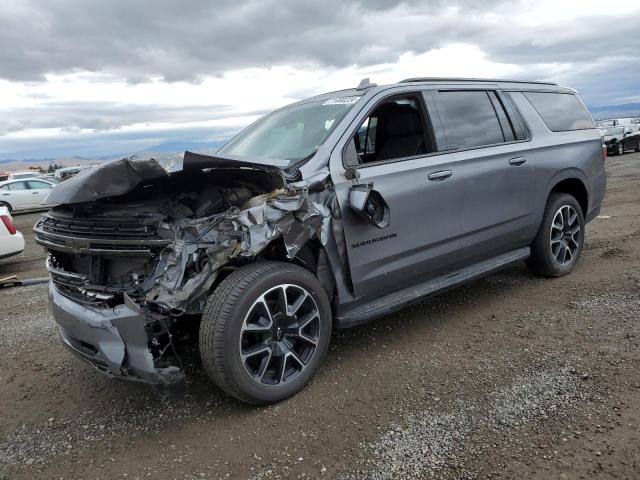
(16, 186)
(469, 119)
(560, 111)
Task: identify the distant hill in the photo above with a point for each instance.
(615, 111)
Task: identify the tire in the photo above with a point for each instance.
(551, 242)
(5, 204)
(620, 149)
(638, 147)
(235, 320)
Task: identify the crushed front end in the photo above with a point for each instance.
(134, 250)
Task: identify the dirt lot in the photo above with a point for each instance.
(512, 376)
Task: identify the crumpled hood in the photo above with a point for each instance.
(121, 176)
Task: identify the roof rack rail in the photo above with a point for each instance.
(452, 79)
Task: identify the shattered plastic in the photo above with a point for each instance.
(200, 246)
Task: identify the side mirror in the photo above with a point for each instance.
(369, 205)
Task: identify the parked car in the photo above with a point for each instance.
(28, 194)
(11, 240)
(620, 139)
(22, 175)
(324, 214)
(67, 172)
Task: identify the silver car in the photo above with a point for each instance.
(25, 194)
(324, 214)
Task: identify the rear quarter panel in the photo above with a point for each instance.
(559, 156)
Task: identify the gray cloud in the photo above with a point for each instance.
(178, 41)
(99, 116)
(139, 40)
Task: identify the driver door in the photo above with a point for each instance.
(398, 157)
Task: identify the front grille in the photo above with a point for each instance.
(122, 228)
(120, 235)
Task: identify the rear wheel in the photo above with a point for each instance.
(265, 331)
(558, 243)
(5, 204)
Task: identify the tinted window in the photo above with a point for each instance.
(17, 186)
(560, 111)
(469, 119)
(37, 185)
(394, 129)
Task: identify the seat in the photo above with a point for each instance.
(402, 134)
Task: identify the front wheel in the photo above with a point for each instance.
(558, 243)
(265, 331)
(620, 149)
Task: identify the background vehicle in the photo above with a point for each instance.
(27, 194)
(22, 175)
(11, 240)
(68, 172)
(324, 214)
(621, 138)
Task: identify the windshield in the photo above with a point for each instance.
(613, 131)
(291, 133)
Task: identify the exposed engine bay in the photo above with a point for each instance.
(157, 240)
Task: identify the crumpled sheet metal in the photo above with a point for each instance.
(121, 176)
(302, 211)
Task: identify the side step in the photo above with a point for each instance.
(402, 298)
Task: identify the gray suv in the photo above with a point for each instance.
(323, 214)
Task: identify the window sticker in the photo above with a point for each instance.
(342, 100)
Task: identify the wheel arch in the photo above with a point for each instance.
(574, 183)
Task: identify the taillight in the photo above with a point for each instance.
(9, 224)
(604, 152)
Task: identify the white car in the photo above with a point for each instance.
(27, 194)
(11, 240)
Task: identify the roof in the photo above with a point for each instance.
(478, 80)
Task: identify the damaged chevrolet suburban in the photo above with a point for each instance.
(324, 214)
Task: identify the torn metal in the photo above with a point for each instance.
(147, 238)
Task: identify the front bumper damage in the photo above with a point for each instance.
(128, 330)
(113, 340)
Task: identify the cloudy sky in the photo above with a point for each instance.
(96, 77)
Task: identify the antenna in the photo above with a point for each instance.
(366, 83)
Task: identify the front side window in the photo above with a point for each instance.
(469, 119)
(560, 111)
(394, 129)
(291, 133)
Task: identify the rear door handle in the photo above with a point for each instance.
(34, 193)
(517, 161)
(441, 175)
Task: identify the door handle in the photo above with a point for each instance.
(517, 161)
(441, 175)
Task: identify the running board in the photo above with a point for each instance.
(402, 298)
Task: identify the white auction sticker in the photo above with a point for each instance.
(341, 100)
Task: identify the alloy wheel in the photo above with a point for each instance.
(565, 235)
(280, 335)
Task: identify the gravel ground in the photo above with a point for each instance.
(510, 376)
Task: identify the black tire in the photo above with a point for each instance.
(223, 324)
(620, 149)
(543, 260)
(638, 146)
(5, 204)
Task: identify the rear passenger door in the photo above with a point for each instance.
(39, 191)
(497, 185)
